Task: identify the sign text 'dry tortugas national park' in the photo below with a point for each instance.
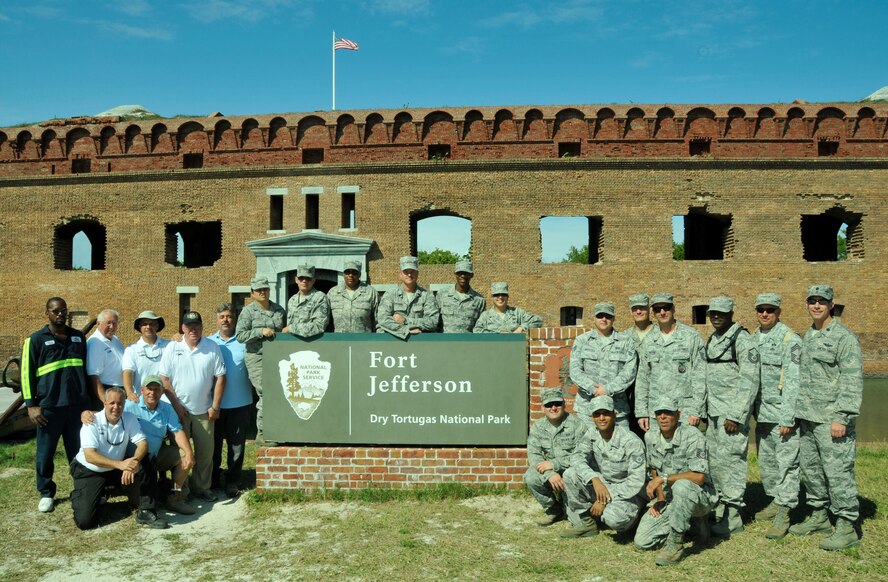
(455, 389)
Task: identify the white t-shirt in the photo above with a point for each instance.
(103, 359)
(192, 372)
(143, 360)
(109, 440)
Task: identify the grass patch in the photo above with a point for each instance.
(372, 494)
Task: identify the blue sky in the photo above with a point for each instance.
(64, 57)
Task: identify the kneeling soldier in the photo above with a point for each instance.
(606, 475)
(550, 444)
(679, 481)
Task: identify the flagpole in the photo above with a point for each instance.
(333, 46)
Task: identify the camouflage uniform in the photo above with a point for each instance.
(610, 361)
(421, 311)
(778, 456)
(671, 365)
(619, 464)
(308, 315)
(830, 390)
(459, 311)
(353, 312)
(556, 445)
(731, 388)
(684, 499)
(492, 321)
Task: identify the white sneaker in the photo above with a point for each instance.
(46, 504)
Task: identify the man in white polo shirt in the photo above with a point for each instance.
(104, 354)
(142, 359)
(193, 374)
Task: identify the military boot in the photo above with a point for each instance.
(730, 524)
(817, 522)
(770, 512)
(670, 554)
(699, 531)
(586, 528)
(845, 536)
(552, 515)
(780, 526)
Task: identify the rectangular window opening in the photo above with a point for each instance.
(678, 238)
(237, 302)
(827, 148)
(312, 211)
(192, 161)
(80, 166)
(835, 235)
(275, 212)
(439, 151)
(572, 239)
(699, 147)
(348, 210)
(571, 315)
(698, 314)
(569, 149)
(313, 156)
(707, 236)
(184, 305)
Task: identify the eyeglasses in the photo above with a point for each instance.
(817, 301)
(558, 404)
(664, 307)
(766, 309)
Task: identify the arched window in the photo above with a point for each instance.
(440, 236)
(79, 244)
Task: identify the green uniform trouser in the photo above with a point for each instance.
(687, 500)
(828, 469)
(619, 514)
(542, 491)
(778, 459)
(727, 460)
(254, 370)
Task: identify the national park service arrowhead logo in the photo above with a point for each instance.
(304, 378)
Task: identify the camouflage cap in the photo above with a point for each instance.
(552, 395)
(604, 307)
(305, 271)
(463, 267)
(351, 266)
(768, 299)
(662, 298)
(151, 379)
(639, 299)
(499, 288)
(665, 402)
(259, 283)
(820, 290)
(149, 315)
(601, 403)
(409, 263)
(722, 304)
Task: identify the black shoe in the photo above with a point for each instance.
(207, 496)
(232, 490)
(150, 519)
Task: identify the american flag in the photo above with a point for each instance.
(344, 43)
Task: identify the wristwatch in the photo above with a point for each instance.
(665, 480)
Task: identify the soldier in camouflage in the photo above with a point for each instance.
(550, 444)
(258, 323)
(460, 305)
(308, 311)
(606, 476)
(503, 318)
(776, 437)
(680, 486)
(830, 393)
(640, 307)
(603, 363)
(353, 303)
(732, 384)
(670, 362)
(408, 309)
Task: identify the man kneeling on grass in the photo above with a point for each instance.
(103, 461)
(680, 485)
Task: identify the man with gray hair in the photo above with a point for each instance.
(603, 363)
(502, 317)
(257, 324)
(308, 311)
(353, 303)
(407, 309)
(776, 437)
(104, 353)
(142, 359)
(732, 383)
(460, 305)
(550, 444)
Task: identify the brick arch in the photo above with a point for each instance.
(27, 149)
(736, 125)
(438, 127)
(865, 125)
(108, 142)
(404, 131)
(63, 241)
(606, 124)
(570, 125)
(251, 135)
(311, 132)
(160, 140)
(764, 123)
(795, 123)
(223, 136)
(49, 145)
(474, 128)
(374, 129)
(830, 122)
(504, 128)
(278, 135)
(701, 123)
(416, 216)
(6, 152)
(534, 126)
(664, 127)
(133, 140)
(78, 141)
(191, 136)
(635, 124)
(346, 130)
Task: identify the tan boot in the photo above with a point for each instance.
(730, 524)
(845, 536)
(178, 503)
(586, 528)
(672, 550)
(817, 522)
(767, 513)
(553, 514)
(780, 527)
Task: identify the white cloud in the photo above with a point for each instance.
(404, 7)
(469, 45)
(131, 7)
(127, 30)
(251, 10)
(527, 16)
(4, 18)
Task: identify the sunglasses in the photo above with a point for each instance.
(766, 309)
(558, 404)
(664, 307)
(304, 278)
(818, 301)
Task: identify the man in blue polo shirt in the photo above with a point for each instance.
(237, 403)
